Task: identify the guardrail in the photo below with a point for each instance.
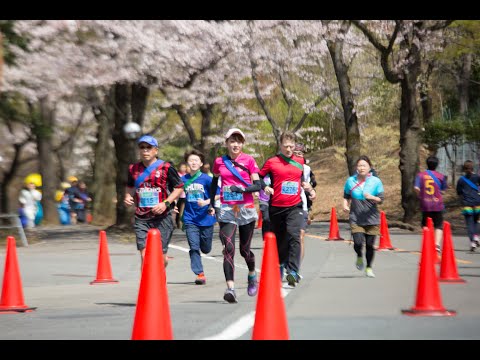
(15, 223)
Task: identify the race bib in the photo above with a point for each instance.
(148, 198)
(231, 196)
(194, 196)
(289, 188)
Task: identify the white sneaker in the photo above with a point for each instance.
(476, 239)
(473, 246)
(369, 272)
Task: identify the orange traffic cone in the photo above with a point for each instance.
(448, 267)
(104, 269)
(260, 220)
(270, 316)
(334, 231)
(12, 293)
(385, 243)
(152, 315)
(435, 255)
(428, 302)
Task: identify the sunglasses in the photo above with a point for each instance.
(145, 147)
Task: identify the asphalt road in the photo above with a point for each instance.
(334, 301)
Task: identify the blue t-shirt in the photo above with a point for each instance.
(198, 190)
(362, 211)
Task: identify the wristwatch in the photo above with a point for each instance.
(167, 203)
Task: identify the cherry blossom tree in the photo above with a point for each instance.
(402, 45)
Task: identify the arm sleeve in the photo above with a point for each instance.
(213, 189)
(257, 185)
(263, 185)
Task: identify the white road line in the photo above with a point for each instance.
(246, 322)
(242, 325)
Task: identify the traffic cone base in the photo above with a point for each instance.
(414, 312)
(97, 281)
(334, 233)
(13, 310)
(452, 280)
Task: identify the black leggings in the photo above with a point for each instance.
(265, 219)
(472, 226)
(227, 237)
(358, 239)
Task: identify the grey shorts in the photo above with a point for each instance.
(237, 214)
(164, 225)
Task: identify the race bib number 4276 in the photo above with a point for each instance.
(289, 188)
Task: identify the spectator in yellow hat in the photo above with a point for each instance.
(28, 198)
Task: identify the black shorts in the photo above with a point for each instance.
(164, 225)
(437, 217)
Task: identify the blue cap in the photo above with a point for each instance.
(149, 140)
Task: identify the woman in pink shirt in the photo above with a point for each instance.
(240, 179)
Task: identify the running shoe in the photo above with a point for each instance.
(359, 263)
(230, 296)
(201, 279)
(473, 246)
(437, 247)
(476, 239)
(292, 278)
(369, 272)
(252, 285)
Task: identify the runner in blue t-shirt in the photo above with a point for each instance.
(198, 223)
(361, 195)
(468, 188)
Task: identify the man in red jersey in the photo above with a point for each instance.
(285, 208)
(152, 185)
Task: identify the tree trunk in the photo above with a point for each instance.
(425, 97)
(409, 145)
(104, 169)
(8, 177)
(349, 114)
(124, 152)
(206, 111)
(127, 98)
(1, 60)
(463, 83)
(139, 102)
(43, 130)
(427, 107)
